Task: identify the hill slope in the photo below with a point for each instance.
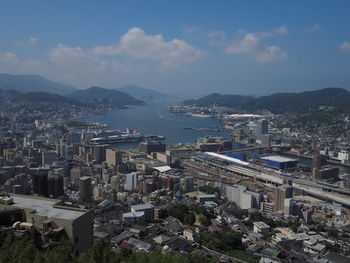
(15, 96)
(221, 100)
(280, 102)
(142, 93)
(33, 83)
(106, 96)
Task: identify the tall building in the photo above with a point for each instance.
(152, 146)
(261, 128)
(55, 185)
(40, 186)
(48, 158)
(85, 188)
(242, 197)
(281, 194)
(113, 157)
(100, 153)
(131, 181)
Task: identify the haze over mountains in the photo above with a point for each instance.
(142, 93)
(101, 95)
(36, 88)
(33, 83)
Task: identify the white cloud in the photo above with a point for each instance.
(314, 28)
(29, 42)
(250, 44)
(9, 62)
(345, 47)
(271, 53)
(8, 57)
(69, 56)
(190, 29)
(136, 44)
(82, 60)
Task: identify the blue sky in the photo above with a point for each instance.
(180, 47)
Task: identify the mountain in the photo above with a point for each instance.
(220, 100)
(280, 102)
(33, 83)
(106, 96)
(142, 93)
(33, 97)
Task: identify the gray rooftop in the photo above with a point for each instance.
(142, 207)
(44, 207)
(133, 214)
(280, 159)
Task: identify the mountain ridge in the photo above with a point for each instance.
(143, 93)
(279, 102)
(103, 95)
(33, 83)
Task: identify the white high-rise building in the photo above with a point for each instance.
(131, 181)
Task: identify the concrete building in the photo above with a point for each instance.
(134, 217)
(260, 227)
(131, 181)
(288, 206)
(242, 197)
(213, 144)
(40, 183)
(100, 153)
(147, 209)
(85, 188)
(281, 193)
(55, 221)
(328, 172)
(261, 128)
(207, 198)
(152, 146)
(48, 158)
(114, 157)
(55, 185)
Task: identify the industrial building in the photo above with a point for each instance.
(279, 162)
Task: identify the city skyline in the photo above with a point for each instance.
(184, 48)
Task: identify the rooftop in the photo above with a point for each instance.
(261, 225)
(162, 169)
(207, 196)
(277, 158)
(141, 207)
(226, 158)
(45, 207)
(133, 214)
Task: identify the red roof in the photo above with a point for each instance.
(124, 245)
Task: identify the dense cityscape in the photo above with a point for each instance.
(273, 191)
(174, 132)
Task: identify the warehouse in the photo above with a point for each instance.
(279, 162)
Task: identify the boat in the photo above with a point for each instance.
(118, 136)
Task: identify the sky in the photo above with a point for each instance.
(187, 48)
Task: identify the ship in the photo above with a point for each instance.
(118, 136)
